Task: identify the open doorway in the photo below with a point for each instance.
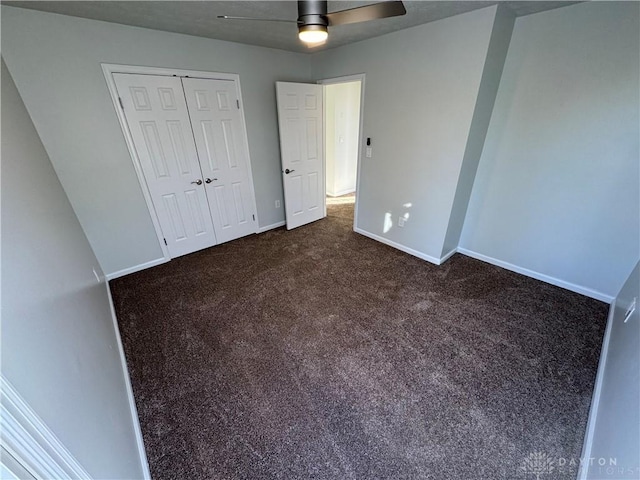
(342, 132)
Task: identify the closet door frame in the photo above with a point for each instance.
(108, 69)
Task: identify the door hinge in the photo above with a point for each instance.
(238, 104)
(165, 241)
(120, 102)
(254, 217)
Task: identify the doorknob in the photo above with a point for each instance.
(198, 182)
(208, 180)
(287, 171)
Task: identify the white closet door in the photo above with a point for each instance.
(300, 117)
(224, 156)
(158, 119)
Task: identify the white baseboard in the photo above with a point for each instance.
(538, 276)
(500, 263)
(144, 465)
(31, 442)
(271, 227)
(136, 268)
(597, 390)
(398, 246)
(447, 256)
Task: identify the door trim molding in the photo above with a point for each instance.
(108, 69)
(346, 79)
(31, 442)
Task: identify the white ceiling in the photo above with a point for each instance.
(199, 17)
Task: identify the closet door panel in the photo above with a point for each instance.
(220, 140)
(158, 119)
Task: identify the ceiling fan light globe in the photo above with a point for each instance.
(313, 34)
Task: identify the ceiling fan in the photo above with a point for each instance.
(313, 18)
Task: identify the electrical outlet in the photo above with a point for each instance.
(630, 310)
(401, 221)
(277, 203)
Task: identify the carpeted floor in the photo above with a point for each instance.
(320, 354)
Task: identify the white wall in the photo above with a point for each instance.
(342, 128)
(614, 420)
(421, 89)
(557, 187)
(55, 61)
(59, 347)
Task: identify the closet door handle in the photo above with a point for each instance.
(208, 180)
(198, 182)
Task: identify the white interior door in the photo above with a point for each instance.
(300, 119)
(220, 139)
(158, 120)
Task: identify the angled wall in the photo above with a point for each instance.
(59, 346)
(557, 189)
(491, 74)
(614, 420)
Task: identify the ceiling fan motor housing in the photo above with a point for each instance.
(312, 12)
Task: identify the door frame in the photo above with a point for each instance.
(331, 81)
(108, 69)
(31, 445)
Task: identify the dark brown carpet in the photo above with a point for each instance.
(320, 354)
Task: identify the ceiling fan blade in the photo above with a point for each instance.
(366, 13)
(231, 17)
